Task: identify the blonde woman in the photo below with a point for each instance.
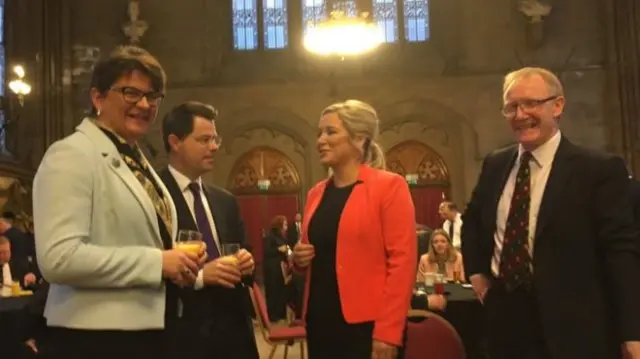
(358, 245)
(442, 258)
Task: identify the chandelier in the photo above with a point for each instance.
(343, 34)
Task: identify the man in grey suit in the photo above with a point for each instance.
(216, 308)
(105, 224)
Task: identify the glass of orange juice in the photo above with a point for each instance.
(15, 288)
(229, 251)
(189, 241)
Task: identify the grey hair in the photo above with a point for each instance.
(552, 81)
(361, 120)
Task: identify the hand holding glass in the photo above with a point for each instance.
(229, 252)
(189, 241)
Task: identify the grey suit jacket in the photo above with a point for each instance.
(97, 237)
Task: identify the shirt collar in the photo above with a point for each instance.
(543, 155)
(182, 180)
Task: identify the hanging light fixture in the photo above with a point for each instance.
(344, 33)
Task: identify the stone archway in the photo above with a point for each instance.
(237, 124)
(445, 130)
(427, 174)
(260, 205)
(264, 163)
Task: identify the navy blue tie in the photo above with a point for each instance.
(203, 222)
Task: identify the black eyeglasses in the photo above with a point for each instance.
(132, 95)
(511, 108)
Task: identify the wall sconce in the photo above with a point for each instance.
(18, 86)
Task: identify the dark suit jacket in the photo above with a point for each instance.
(292, 234)
(220, 316)
(586, 260)
(635, 198)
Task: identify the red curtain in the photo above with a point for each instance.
(427, 200)
(252, 215)
(257, 212)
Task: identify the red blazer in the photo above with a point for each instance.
(376, 252)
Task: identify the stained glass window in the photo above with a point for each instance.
(313, 12)
(416, 20)
(275, 24)
(245, 24)
(349, 7)
(386, 16)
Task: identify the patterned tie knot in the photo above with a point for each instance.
(194, 187)
(526, 157)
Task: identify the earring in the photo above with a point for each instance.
(98, 112)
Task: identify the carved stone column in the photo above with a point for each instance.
(623, 88)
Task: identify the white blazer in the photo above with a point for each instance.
(97, 237)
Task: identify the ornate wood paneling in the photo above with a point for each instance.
(414, 157)
(264, 163)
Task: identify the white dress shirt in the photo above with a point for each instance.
(540, 167)
(457, 227)
(183, 183)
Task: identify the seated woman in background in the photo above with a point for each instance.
(276, 270)
(441, 258)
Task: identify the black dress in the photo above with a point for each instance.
(329, 336)
(275, 288)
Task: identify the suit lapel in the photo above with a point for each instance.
(560, 172)
(185, 219)
(114, 162)
(310, 209)
(117, 166)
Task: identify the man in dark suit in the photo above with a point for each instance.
(548, 240)
(294, 231)
(216, 320)
(22, 252)
(13, 269)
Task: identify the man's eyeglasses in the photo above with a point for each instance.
(132, 95)
(207, 140)
(511, 108)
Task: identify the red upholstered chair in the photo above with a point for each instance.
(276, 336)
(432, 337)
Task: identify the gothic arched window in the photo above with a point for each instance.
(249, 14)
(385, 13)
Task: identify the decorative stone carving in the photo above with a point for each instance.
(535, 11)
(396, 167)
(134, 29)
(414, 157)
(84, 59)
(264, 163)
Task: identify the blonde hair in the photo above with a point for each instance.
(552, 81)
(452, 253)
(361, 119)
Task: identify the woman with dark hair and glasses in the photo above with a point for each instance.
(105, 223)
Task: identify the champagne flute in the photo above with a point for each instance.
(189, 241)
